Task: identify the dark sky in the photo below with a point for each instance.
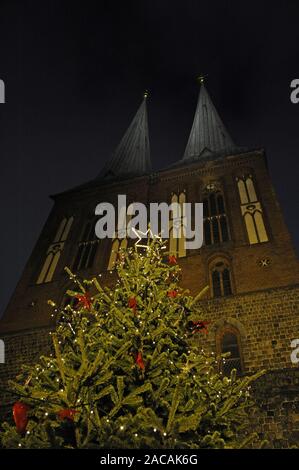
(75, 73)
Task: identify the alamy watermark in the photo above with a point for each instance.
(164, 219)
(295, 353)
(2, 352)
(2, 91)
(295, 91)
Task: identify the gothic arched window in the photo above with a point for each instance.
(87, 247)
(251, 210)
(229, 342)
(54, 251)
(221, 279)
(215, 220)
(176, 224)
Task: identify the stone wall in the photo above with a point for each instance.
(267, 322)
(277, 397)
(21, 348)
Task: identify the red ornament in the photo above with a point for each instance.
(67, 414)
(172, 259)
(172, 294)
(20, 416)
(139, 361)
(85, 300)
(200, 326)
(132, 303)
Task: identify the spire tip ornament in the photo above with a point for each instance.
(201, 79)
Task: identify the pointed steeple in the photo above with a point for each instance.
(208, 135)
(132, 156)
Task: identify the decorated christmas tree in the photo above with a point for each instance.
(128, 369)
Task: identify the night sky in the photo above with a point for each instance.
(75, 73)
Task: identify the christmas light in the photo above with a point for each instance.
(110, 360)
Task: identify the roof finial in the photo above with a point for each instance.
(145, 94)
(201, 78)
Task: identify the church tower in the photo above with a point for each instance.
(247, 259)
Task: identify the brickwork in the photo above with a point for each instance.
(21, 348)
(266, 320)
(244, 259)
(277, 397)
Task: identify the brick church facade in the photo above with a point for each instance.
(247, 259)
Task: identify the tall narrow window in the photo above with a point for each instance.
(215, 219)
(119, 242)
(221, 280)
(54, 251)
(87, 247)
(251, 210)
(216, 280)
(117, 245)
(176, 224)
(229, 340)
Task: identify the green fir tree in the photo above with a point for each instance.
(127, 370)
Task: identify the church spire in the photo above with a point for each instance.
(208, 135)
(132, 156)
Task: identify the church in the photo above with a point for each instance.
(247, 259)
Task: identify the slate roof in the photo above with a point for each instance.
(208, 135)
(132, 155)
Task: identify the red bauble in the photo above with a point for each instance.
(67, 414)
(132, 303)
(139, 361)
(172, 293)
(85, 300)
(172, 259)
(20, 416)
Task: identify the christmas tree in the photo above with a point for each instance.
(127, 369)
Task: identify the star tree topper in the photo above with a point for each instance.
(148, 235)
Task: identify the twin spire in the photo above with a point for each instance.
(208, 139)
(208, 134)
